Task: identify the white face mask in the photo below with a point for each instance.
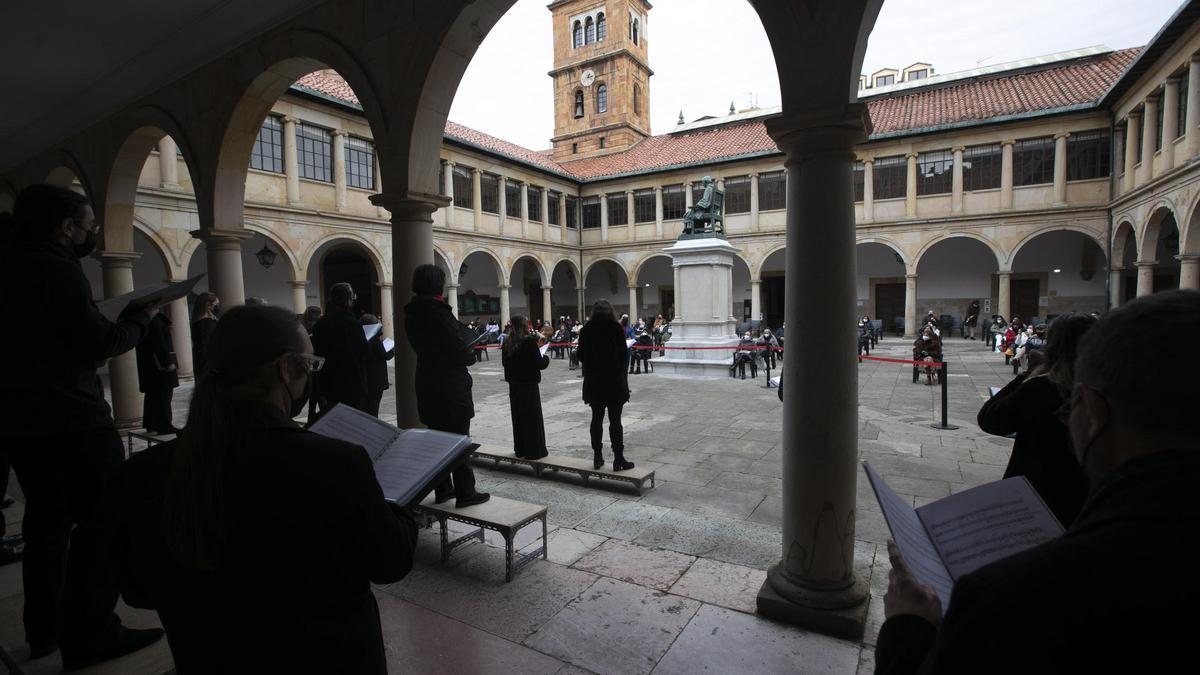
(925, 337)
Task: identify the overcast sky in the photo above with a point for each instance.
(507, 93)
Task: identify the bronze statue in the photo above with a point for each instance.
(706, 217)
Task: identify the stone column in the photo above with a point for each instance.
(1119, 150)
(1145, 277)
(547, 304)
(910, 305)
(505, 307)
(181, 336)
(868, 189)
(477, 197)
(448, 188)
(299, 295)
(658, 212)
(452, 299)
(956, 181)
(1170, 122)
(1192, 115)
(678, 295)
(562, 215)
(1116, 287)
(387, 311)
(581, 292)
(224, 251)
(291, 163)
(545, 210)
(1006, 175)
(168, 166)
(629, 215)
(117, 273)
(339, 169)
(910, 186)
(633, 304)
(754, 227)
(604, 217)
(1149, 135)
(378, 187)
(524, 210)
(687, 195)
(1004, 295)
(1060, 169)
(503, 210)
(412, 245)
(756, 299)
(815, 584)
(1133, 131)
(1189, 272)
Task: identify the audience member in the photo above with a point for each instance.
(523, 366)
(309, 319)
(603, 354)
(971, 319)
(158, 375)
(338, 337)
(377, 373)
(928, 347)
(205, 309)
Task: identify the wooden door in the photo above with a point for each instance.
(1025, 299)
(889, 306)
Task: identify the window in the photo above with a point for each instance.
(859, 181)
(885, 80)
(589, 31)
(698, 190)
(645, 206)
(601, 27)
(888, 177)
(602, 99)
(674, 202)
(360, 163)
(577, 35)
(981, 167)
(574, 148)
(601, 142)
(552, 198)
(1181, 114)
(1088, 155)
(267, 154)
(535, 203)
(772, 191)
(572, 212)
(578, 103)
(512, 199)
(917, 74)
(1033, 161)
(591, 213)
(935, 170)
(489, 192)
(462, 187)
(634, 31)
(737, 195)
(313, 144)
(618, 209)
(637, 100)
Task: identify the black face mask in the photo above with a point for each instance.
(298, 404)
(88, 245)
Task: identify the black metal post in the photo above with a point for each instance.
(945, 426)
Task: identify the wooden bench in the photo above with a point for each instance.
(582, 467)
(505, 516)
(150, 439)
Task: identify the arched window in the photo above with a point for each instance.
(589, 30)
(635, 31)
(601, 27)
(578, 103)
(602, 99)
(637, 100)
(577, 35)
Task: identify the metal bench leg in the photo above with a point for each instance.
(445, 542)
(545, 543)
(508, 556)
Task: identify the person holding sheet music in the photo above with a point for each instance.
(523, 365)
(338, 337)
(378, 354)
(602, 352)
(211, 530)
(443, 384)
(1112, 594)
(57, 428)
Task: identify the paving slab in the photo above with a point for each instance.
(622, 520)
(703, 499)
(719, 583)
(642, 565)
(566, 545)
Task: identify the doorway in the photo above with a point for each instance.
(889, 306)
(772, 301)
(1025, 298)
(348, 264)
(666, 303)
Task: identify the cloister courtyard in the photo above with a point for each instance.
(665, 581)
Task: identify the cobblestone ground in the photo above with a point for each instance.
(640, 584)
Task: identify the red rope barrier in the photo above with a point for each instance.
(931, 364)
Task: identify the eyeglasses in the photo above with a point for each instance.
(312, 362)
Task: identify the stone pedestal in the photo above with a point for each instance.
(703, 297)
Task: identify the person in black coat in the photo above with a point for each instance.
(205, 308)
(206, 529)
(1102, 597)
(1028, 407)
(602, 352)
(971, 319)
(443, 384)
(377, 375)
(523, 366)
(58, 429)
(157, 376)
(338, 337)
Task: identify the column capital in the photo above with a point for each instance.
(910, 276)
(385, 285)
(753, 175)
(452, 287)
(958, 148)
(824, 132)
(450, 163)
(910, 155)
(1188, 257)
(1153, 97)
(1062, 134)
(411, 205)
(504, 287)
(634, 287)
(113, 259)
(658, 189)
(629, 193)
(298, 283)
(476, 172)
(547, 288)
(1008, 141)
(687, 184)
(755, 281)
(288, 119)
(340, 133)
(1134, 114)
(1116, 269)
(1195, 58)
(1174, 79)
(222, 239)
(1142, 264)
(1004, 273)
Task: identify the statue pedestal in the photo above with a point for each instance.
(703, 301)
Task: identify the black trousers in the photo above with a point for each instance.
(462, 481)
(371, 404)
(529, 429)
(70, 590)
(156, 405)
(616, 434)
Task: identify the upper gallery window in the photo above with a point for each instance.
(577, 35)
(602, 99)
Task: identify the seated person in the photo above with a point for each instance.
(1101, 598)
(928, 347)
(257, 542)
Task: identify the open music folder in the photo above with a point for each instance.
(408, 462)
(956, 535)
(156, 293)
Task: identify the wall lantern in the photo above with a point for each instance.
(266, 257)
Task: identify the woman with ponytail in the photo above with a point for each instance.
(211, 530)
(523, 366)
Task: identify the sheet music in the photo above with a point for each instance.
(354, 426)
(544, 348)
(372, 330)
(777, 380)
(993, 390)
(909, 534)
(388, 344)
(162, 292)
(414, 460)
(988, 523)
(629, 344)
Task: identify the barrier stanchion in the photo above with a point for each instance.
(945, 401)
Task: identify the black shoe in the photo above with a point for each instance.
(129, 640)
(472, 500)
(441, 499)
(598, 462)
(622, 465)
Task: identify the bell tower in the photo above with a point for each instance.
(601, 76)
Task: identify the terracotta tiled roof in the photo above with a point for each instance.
(1075, 83)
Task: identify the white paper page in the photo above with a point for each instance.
(354, 426)
(629, 343)
(993, 390)
(544, 348)
(388, 344)
(988, 523)
(777, 380)
(909, 534)
(415, 459)
(372, 330)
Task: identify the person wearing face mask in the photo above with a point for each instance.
(207, 530)
(205, 309)
(338, 337)
(58, 430)
(1103, 597)
(928, 347)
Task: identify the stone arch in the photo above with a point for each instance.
(347, 237)
(991, 246)
(501, 272)
(62, 167)
(1189, 234)
(141, 130)
(757, 268)
(543, 274)
(571, 263)
(1012, 255)
(884, 241)
(447, 263)
(588, 269)
(287, 252)
(169, 257)
(636, 271)
(1148, 242)
(1121, 233)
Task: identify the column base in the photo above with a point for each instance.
(134, 423)
(841, 613)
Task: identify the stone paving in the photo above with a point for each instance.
(664, 582)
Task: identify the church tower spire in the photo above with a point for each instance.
(601, 76)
